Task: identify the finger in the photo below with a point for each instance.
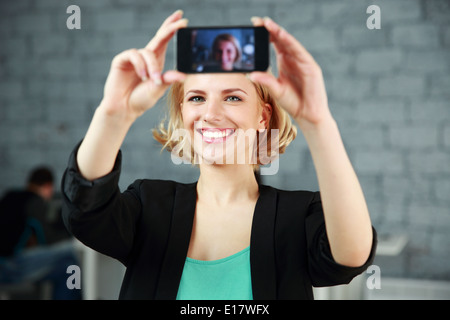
(257, 21)
(153, 67)
(173, 17)
(170, 19)
(285, 42)
(172, 76)
(133, 58)
(165, 33)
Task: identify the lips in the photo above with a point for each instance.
(215, 135)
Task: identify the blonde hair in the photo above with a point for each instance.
(279, 119)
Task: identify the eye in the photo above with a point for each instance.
(233, 99)
(196, 99)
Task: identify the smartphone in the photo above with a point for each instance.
(222, 49)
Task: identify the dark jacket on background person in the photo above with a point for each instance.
(20, 211)
(148, 229)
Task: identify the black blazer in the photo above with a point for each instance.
(148, 229)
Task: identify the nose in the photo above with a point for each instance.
(224, 56)
(213, 111)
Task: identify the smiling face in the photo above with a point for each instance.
(219, 112)
(226, 54)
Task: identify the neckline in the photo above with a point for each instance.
(218, 261)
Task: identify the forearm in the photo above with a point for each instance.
(347, 218)
(98, 151)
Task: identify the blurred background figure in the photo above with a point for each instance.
(33, 247)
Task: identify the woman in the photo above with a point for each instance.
(224, 236)
(226, 51)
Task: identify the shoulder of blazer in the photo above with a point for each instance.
(298, 199)
(160, 188)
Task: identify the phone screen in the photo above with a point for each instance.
(222, 49)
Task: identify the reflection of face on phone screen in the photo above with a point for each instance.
(223, 50)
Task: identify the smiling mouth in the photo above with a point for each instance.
(215, 135)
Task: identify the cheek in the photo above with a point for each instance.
(185, 117)
(189, 118)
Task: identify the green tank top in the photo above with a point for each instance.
(224, 279)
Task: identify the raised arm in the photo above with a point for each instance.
(300, 90)
(134, 84)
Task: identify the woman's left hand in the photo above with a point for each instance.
(299, 88)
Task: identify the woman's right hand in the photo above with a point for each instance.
(135, 81)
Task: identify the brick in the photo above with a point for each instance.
(98, 67)
(438, 10)
(446, 36)
(293, 15)
(15, 7)
(49, 4)
(334, 62)
(399, 11)
(59, 67)
(428, 61)
(378, 162)
(396, 187)
(11, 90)
(290, 161)
(386, 110)
(350, 88)
(439, 85)
(90, 44)
(29, 111)
(234, 15)
(362, 137)
(432, 162)
(414, 137)
(53, 89)
(343, 112)
(432, 111)
(115, 20)
(343, 12)
(120, 42)
(33, 23)
(16, 46)
(440, 241)
(50, 46)
(422, 215)
(16, 68)
(446, 136)
(59, 111)
(442, 187)
(359, 36)
(378, 61)
(401, 85)
(416, 35)
(316, 38)
(6, 26)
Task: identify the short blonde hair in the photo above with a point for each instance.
(279, 119)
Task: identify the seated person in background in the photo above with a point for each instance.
(25, 255)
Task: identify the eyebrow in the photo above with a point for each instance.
(226, 91)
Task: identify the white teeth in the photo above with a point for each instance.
(216, 134)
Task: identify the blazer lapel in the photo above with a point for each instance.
(178, 243)
(262, 246)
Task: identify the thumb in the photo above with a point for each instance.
(172, 76)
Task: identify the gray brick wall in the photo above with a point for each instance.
(389, 90)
